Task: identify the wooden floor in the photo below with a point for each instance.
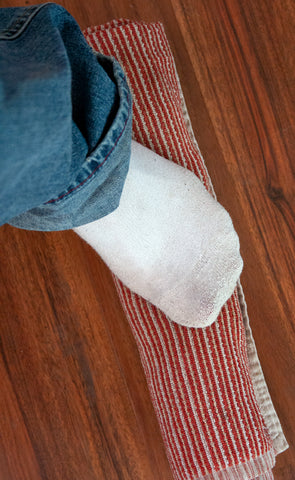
(74, 402)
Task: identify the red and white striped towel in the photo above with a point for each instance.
(207, 387)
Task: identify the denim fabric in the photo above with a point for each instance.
(65, 122)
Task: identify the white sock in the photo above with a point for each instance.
(169, 241)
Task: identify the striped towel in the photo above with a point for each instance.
(214, 410)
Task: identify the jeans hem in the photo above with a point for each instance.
(83, 201)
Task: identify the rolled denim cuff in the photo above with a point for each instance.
(97, 188)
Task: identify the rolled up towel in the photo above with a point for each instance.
(208, 391)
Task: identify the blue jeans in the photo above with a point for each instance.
(65, 122)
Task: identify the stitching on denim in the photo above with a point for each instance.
(13, 27)
(98, 166)
(21, 22)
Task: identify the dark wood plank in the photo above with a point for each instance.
(74, 400)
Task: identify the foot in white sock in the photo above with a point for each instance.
(169, 241)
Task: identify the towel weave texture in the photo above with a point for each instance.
(207, 387)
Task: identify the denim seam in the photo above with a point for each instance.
(99, 165)
(21, 22)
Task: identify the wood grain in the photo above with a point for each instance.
(74, 401)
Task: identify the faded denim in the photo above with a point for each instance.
(65, 122)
